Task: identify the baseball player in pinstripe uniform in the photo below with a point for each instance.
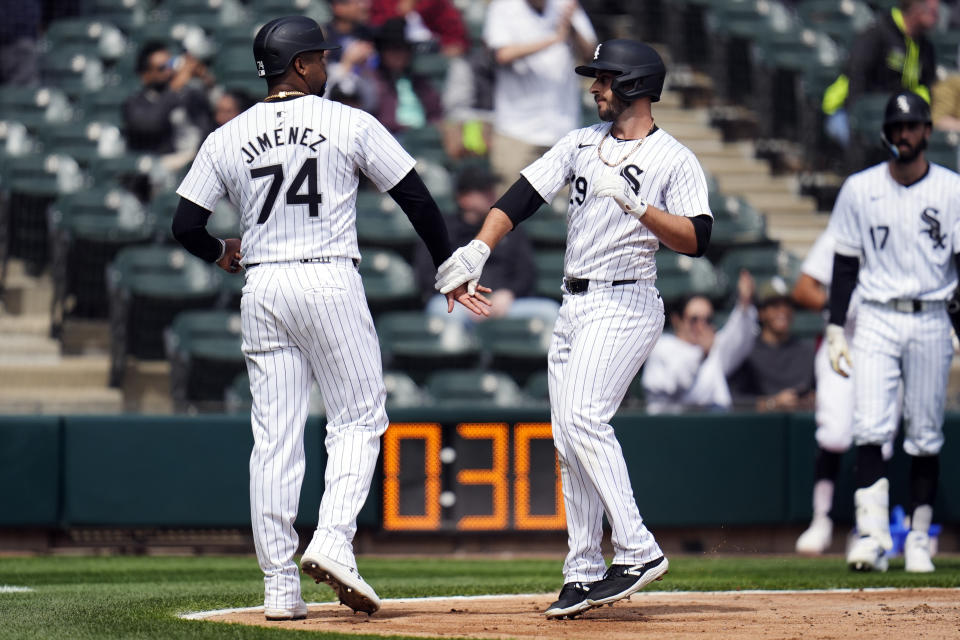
(902, 218)
(632, 186)
(290, 164)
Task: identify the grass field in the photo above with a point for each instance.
(140, 597)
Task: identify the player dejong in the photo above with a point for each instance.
(291, 164)
(897, 231)
(632, 186)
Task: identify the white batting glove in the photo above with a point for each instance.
(617, 188)
(837, 349)
(464, 265)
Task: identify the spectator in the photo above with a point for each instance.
(511, 274)
(778, 373)
(232, 102)
(169, 115)
(403, 99)
(891, 55)
(350, 30)
(945, 108)
(468, 103)
(18, 42)
(688, 369)
(426, 20)
(536, 97)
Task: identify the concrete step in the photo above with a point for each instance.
(34, 324)
(689, 133)
(67, 372)
(725, 165)
(26, 295)
(59, 400)
(84, 336)
(146, 386)
(27, 348)
(675, 116)
(747, 184)
(775, 204)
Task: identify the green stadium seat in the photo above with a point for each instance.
(761, 262)
(679, 275)
(85, 142)
(74, 70)
(546, 230)
(418, 344)
(454, 388)
(386, 230)
(736, 222)
(537, 388)
(549, 273)
(88, 228)
(403, 391)
(943, 148)
(517, 346)
(807, 323)
(95, 33)
(148, 286)
(433, 66)
(35, 107)
(126, 14)
(204, 350)
(389, 282)
(839, 20)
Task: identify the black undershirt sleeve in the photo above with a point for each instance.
(190, 230)
(424, 214)
(702, 226)
(844, 281)
(520, 201)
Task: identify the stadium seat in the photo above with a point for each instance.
(517, 346)
(31, 183)
(761, 262)
(85, 142)
(402, 391)
(388, 281)
(455, 388)
(88, 228)
(549, 273)
(546, 230)
(204, 350)
(34, 107)
(537, 388)
(74, 70)
(419, 344)
(943, 148)
(839, 20)
(679, 275)
(96, 33)
(148, 286)
(807, 324)
(736, 223)
(381, 229)
(126, 14)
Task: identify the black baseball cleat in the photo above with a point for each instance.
(571, 602)
(622, 580)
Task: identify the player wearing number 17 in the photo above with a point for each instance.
(632, 186)
(291, 165)
(897, 231)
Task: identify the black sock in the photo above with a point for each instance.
(827, 465)
(870, 465)
(924, 474)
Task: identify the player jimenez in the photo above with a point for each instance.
(632, 186)
(897, 231)
(291, 165)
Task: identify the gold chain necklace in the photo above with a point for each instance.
(627, 155)
(283, 95)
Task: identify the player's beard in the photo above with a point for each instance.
(611, 109)
(911, 153)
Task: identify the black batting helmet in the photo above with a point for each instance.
(906, 106)
(638, 67)
(280, 40)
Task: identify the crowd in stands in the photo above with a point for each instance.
(475, 89)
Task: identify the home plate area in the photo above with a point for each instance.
(840, 614)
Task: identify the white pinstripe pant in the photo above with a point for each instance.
(306, 322)
(600, 340)
(889, 345)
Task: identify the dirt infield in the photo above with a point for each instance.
(912, 613)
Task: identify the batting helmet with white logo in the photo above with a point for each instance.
(279, 41)
(638, 67)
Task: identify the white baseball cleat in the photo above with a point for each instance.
(867, 554)
(916, 553)
(817, 538)
(299, 612)
(345, 581)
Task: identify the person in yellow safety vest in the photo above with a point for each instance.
(891, 55)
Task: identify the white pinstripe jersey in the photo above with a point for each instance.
(603, 242)
(906, 235)
(291, 168)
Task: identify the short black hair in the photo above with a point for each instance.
(475, 178)
(149, 48)
(241, 96)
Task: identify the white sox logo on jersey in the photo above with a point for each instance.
(631, 173)
(933, 231)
